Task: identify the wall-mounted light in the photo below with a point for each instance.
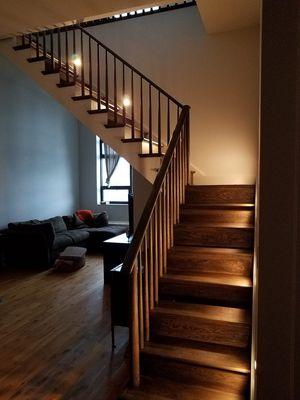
(126, 101)
(76, 60)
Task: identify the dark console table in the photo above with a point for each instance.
(114, 251)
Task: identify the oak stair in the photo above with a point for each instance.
(200, 328)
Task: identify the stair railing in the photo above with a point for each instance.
(146, 259)
(115, 86)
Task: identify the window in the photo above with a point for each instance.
(120, 182)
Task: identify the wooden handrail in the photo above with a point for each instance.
(128, 264)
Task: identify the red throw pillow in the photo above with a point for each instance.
(86, 216)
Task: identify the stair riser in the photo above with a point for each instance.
(200, 330)
(186, 234)
(211, 216)
(222, 294)
(189, 263)
(220, 194)
(195, 374)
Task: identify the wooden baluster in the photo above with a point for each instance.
(106, 80)
(90, 69)
(135, 328)
(123, 93)
(178, 182)
(159, 124)
(59, 48)
(174, 189)
(74, 55)
(146, 289)
(168, 121)
(167, 208)
(141, 299)
(188, 143)
(181, 167)
(150, 260)
(115, 92)
(98, 79)
(165, 226)
(51, 49)
(156, 247)
(132, 106)
(82, 64)
(67, 54)
(150, 121)
(171, 203)
(160, 235)
(37, 41)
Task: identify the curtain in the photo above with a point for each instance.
(111, 162)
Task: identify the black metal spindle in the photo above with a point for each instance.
(132, 106)
(51, 49)
(90, 68)
(106, 81)
(59, 48)
(159, 123)
(150, 120)
(98, 78)
(123, 93)
(37, 42)
(168, 121)
(23, 40)
(115, 92)
(44, 45)
(67, 54)
(82, 64)
(142, 110)
(74, 55)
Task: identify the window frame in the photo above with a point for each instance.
(104, 187)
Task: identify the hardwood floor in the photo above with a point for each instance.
(55, 336)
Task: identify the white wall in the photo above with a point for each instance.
(216, 74)
(38, 151)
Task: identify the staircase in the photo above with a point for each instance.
(200, 324)
(188, 272)
(114, 100)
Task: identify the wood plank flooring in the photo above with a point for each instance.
(55, 336)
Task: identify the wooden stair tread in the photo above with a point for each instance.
(210, 250)
(165, 389)
(235, 360)
(225, 206)
(218, 279)
(203, 311)
(233, 225)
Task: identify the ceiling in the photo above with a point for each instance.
(28, 15)
(24, 15)
(228, 15)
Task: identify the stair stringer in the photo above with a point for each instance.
(94, 122)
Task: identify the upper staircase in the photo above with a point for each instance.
(114, 100)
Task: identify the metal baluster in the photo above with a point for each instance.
(150, 121)
(159, 124)
(123, 92)
(74, 55)
(106, 80)
(142, 110)
(98, 78)
(132, 106)
(37, 41)
(59, 48)
(115, 92)
(67, 54)
(168, 121)
(90, 69)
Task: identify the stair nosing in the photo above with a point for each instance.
(196, 279)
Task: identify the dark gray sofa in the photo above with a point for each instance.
(37, 243)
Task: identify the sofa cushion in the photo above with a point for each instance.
(62, 241)
(106, 232)
(68, 220)
(86, 216)
(58, 224)
(78, 223)
(100, 220)
(78, 235)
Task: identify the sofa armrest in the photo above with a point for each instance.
(25, 248)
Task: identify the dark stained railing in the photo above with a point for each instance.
(128, 95)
